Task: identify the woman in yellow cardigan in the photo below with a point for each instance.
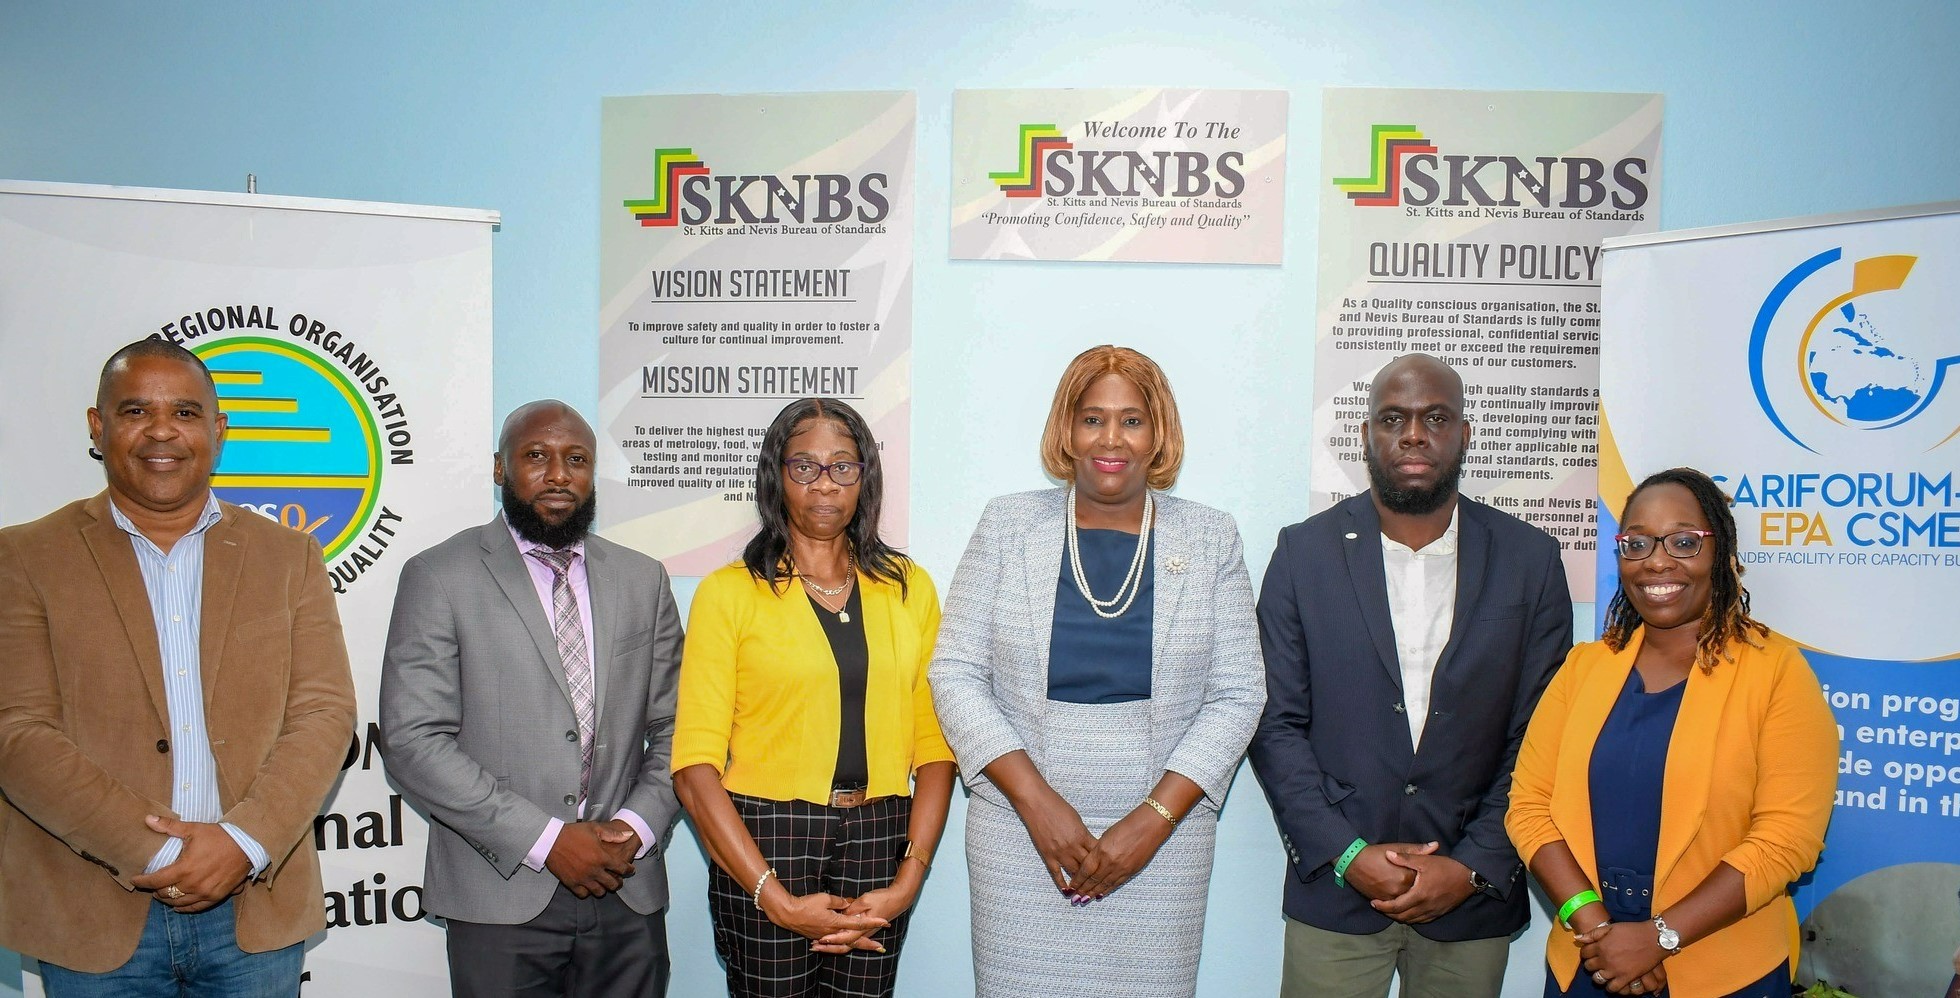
(1678, 774)
(805, 745)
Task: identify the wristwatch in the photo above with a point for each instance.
(1670, 940)
(912, 851)
(1478, 885)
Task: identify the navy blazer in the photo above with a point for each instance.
(1333, 750)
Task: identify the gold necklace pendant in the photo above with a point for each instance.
(843, 614)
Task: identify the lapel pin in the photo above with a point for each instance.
(1175, 564)
(1352, 536)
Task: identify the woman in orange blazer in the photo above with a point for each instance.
(1678, 774)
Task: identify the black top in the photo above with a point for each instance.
(853, 663)
(1093, 659)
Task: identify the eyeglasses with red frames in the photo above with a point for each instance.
(804, 471)
(1679, 544)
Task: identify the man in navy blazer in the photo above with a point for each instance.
(1408, 633)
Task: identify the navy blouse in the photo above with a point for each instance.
(1091, 659)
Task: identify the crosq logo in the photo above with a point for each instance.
(302, 447)
(1847, 342)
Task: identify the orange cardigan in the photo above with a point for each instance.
(1751, 777)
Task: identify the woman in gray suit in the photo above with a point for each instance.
(1098, 676)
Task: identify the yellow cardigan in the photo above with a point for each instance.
(759, 698)
(1751, 776)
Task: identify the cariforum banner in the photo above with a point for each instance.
(350, 343)
(1803, 364)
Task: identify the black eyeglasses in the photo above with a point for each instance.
(804, 471)
(1679, 544)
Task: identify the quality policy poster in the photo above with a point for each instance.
(1136, 175)
(1467, 225)
(753, 250)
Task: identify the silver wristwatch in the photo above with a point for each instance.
(1670, 940)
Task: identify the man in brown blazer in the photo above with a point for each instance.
(174, 706)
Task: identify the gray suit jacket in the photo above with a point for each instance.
(478, 724)
(990, 668)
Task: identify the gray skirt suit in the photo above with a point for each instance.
(990, 685)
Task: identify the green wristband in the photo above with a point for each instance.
(1578, 901)
(1340, 865)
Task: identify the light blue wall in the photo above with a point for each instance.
(1773, 109)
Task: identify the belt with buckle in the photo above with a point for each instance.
(1629, 893)
(852, 797)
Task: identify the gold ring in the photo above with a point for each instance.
(171, 892)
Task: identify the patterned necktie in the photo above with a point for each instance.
(571, 651)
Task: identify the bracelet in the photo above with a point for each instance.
(759, 881)
(1572, 905)
(912, 851)
(1161, 809)
(1340, 865)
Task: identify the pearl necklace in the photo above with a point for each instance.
(1132, 579)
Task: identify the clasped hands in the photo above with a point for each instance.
(593, 857)
(210, 868)
(838, 925)
(1409, 882)
(1102, 864)
(1623, 957)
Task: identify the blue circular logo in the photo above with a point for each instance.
(1848, 359)
(301, 447)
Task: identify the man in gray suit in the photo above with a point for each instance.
(1408, 632)
(527, 704)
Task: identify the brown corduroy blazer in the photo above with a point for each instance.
(85, 739)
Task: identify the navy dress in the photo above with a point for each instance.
(1628, 772)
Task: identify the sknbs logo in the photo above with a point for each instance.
(1408, 169)
(687, 193)
(1049, 165)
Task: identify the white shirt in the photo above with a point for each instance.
(175, 584)
(1422, 606)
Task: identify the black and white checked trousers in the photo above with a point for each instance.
(814, 848)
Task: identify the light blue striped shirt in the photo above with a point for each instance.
(175, 583)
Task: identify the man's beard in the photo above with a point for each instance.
(1414, 502)
(529, 525)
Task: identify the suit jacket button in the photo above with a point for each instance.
(571, 800)
(571, 736)
(1401, 708)
(1409, 791)
(163, 746)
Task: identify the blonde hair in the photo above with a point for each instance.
(1166, 430)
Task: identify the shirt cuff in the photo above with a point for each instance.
(543, 847)
(253, 851)
(172, 848)
(640, 827)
